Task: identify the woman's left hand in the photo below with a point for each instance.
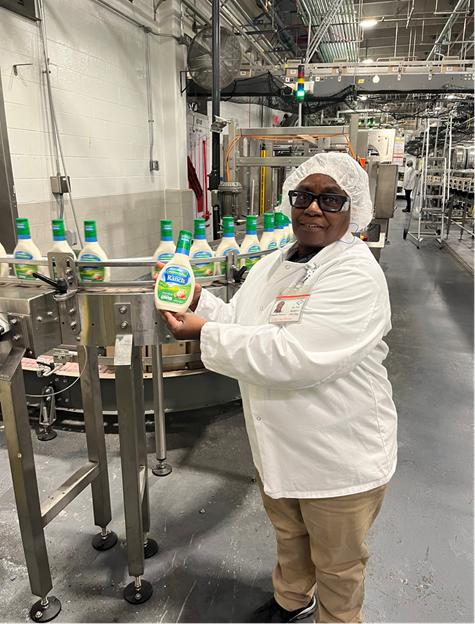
(184, 326)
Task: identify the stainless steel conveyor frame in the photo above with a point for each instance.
(35, 318)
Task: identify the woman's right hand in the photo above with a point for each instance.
(198, 288)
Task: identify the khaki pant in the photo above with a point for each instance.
(320, 542)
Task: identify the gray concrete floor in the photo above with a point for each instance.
(217, 548)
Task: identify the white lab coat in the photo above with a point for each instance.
(317, 401)
(409, 178)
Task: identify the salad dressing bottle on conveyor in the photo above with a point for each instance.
(227, 245)
(59, 237)
(25, 250)
(281, 238)
(175, 283)
(166, 250)
(201, 249)
(268, 240)
(250, 242)
(91, 252)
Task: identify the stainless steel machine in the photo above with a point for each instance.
(41, 314)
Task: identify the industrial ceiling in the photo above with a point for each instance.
(275, 31)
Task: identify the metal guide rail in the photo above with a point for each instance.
(36, 316)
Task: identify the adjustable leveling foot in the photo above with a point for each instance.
(46, 609)
(104, 540)
(138, 591)
(150, 548)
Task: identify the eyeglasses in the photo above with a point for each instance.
(327, 202)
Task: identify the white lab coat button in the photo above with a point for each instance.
(258, 418)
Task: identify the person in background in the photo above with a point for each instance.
(409, 183)
(316, 396)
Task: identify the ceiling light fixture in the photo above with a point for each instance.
(376, 79)
(367, 61)
(363, 98)
(369, 22)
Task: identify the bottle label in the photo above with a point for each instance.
(203, 270)
(283, 242)
(272, 245)
(91, 273)
(24, 271)
(165, 257)
(250, 262)
(174, 285)
(225, 253)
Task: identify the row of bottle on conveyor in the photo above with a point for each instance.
(277, 233)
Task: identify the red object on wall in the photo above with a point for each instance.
(195, 185)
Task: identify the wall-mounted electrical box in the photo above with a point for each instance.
(26, 8)
(60, 184)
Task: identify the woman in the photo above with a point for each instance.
(316, 398)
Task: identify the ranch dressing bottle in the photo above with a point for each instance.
(25, 250)
(166, 250)
(91, 252)
(281, 238)
(175, 283)
(250, 242)
(228, 243)
(201, 249)
(3, 266)
(59, 237)
(268, 240)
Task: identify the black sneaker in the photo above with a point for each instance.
(271, 611)
(406, 210)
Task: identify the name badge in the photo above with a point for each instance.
(288, 308)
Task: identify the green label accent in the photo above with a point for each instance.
(250, 262)
(91, 273)
(24, 271)
(174, 286)
(203, 270)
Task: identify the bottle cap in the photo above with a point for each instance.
(184, 242)
(251, 224)
(22, 228)
(166, 229)
(279, 220)
(200, 229)
(59, 232)
(90, 231)
(228, 226)
(268, 222)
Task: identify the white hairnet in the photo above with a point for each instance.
(347, 173)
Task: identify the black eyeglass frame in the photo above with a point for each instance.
(345, 206)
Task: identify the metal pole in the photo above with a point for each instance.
(214, 176)
(300, 114)
(162, 468)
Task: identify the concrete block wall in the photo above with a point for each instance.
(98, 76)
